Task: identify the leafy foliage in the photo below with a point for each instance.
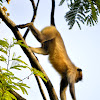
(7, 77)
(38, 73)
(85, 11)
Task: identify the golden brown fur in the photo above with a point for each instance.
(52, 44)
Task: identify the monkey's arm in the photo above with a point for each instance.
(39, 50)
(72, 90)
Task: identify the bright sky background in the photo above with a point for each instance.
(82, 47)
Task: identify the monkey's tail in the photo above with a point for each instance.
(52, 13)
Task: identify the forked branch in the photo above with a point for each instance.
(34, 15)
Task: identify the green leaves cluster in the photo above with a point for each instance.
(39, 73)
(8, 81)
(7, 77)
(84, 11)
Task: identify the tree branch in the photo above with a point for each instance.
(17, 95)
(34, 62)
(26, 33)
(40, 87)
(34, 15)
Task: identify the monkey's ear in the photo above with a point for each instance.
(80, 70)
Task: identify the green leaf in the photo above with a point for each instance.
(20, 42)
(19, 57)
(14, 87)
(4, 43)
(18, 67)
(81, 20)
(94, 16)
(15, 68)
(23, 84)
(81, 17)
(13, 55)
(16, 78)
(19, 60)
(78, 24)
(2, 50)
(39, 73)
(23, 45)
(23, 90)
(14, 39)
(61, 2)
(92, 22)
(2, 58)
(98, 4)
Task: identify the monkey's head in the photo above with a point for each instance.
(78, 75)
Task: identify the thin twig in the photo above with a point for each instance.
(25, 77)
(8, 58)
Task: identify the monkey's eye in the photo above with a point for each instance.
(79, 70)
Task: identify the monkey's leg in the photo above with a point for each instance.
(34, 30)
(72, 90)
(63, 87)
(39, 50)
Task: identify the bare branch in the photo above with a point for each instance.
(34, 15)
(17, 95)
(40, 87)
(33, 60)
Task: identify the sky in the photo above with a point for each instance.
(82, 47)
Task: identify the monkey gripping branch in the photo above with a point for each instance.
(34, 62)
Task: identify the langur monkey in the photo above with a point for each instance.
(52, 45)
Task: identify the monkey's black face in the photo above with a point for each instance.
(79, 75)
(78, 79)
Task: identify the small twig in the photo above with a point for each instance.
(25, 77)
(8, 58)
(37, 5)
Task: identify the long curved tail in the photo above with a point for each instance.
(52, 13)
